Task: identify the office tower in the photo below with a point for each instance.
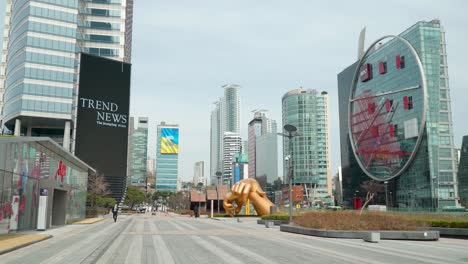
(40, 58)
(307, 110)
(138, 146)
(167, 157)
(266, 161)
(231, 146)
(258, 126)
(463, 173)
(224, 118)
(429, 179)
(199, 173)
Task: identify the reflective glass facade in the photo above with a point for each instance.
(30, 164)
(138, 145)
(39, 62)
(308, 111)
(167, 165)
(429, 181)
(463, 173)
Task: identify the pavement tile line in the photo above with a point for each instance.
(136, 247)
(317, 250)
(86, 243)
(219, 252)
(242, 250)
(101, 250)
(382, 250)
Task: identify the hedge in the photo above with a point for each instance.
(448, 224)
(282, 217)
(228, 215)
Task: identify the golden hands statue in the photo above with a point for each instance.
(243, 190)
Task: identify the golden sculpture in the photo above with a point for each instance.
(247, 189)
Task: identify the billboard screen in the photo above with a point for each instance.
(102, 118)
(169, 140)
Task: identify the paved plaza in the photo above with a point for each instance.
(178, 239)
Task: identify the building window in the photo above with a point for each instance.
(382, 67)
(400, 62)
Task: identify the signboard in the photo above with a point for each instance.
(102, 118)
(169, 140)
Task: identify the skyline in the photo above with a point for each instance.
(268, 50)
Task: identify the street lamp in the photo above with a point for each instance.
(386, 198)
(292, 132)
(218, 175)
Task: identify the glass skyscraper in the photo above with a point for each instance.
(430, 180)
(138, 145)
(39, 66)
(307, 109)
(167, 157)
(224, 118)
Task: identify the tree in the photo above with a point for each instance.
(371, 188)
(134, 196)
(96, 187)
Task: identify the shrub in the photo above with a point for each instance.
(228, 215)
(448, 224)
(348, 220)
(282, 217)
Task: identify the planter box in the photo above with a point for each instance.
(276, 222)
(361, 234)
(455, 232)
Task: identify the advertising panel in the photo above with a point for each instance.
(102, 118)
(169, 140)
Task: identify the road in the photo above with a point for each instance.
(178, 239)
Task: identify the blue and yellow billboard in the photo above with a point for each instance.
(169, 140)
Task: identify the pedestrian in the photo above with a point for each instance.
(115, 210)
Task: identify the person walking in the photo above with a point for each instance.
(115, 211)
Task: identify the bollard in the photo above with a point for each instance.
(238, 220)
(373, 237)
(269, 224)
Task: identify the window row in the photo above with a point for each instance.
(51, 107)
(53, 14)
(51, 44)
(50, 59)
(48, 75)
(52, 29)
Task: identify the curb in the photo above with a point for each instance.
(384, 234)
(276, 222)
(461, 233)
(24, 245)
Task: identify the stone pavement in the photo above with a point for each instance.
(173, 239)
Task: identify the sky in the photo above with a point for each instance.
(185, 50)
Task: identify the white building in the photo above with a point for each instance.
(231, 146)
(224, 118)
(199, 173)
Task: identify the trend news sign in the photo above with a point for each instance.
(106, 112)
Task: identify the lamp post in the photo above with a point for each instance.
(292, 132)
(386, 198)
(218, 175)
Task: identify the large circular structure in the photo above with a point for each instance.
(387, 108)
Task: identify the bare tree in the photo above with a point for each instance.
(96, 186)
(371, 188)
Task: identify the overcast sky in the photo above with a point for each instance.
(185, 50)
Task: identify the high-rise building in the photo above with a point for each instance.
(258, 126)
(307, 110)
(138, 146)
(266, 161)
(463, 173)
(429, 180)
(224, 118)
(199, 173)
(167, 157)
(231, 146)
(39, 65)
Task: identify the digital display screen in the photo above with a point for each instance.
(169, 140)
(102, 118)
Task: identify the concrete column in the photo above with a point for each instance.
(66, 136)
(17, 127)
(29, 131)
